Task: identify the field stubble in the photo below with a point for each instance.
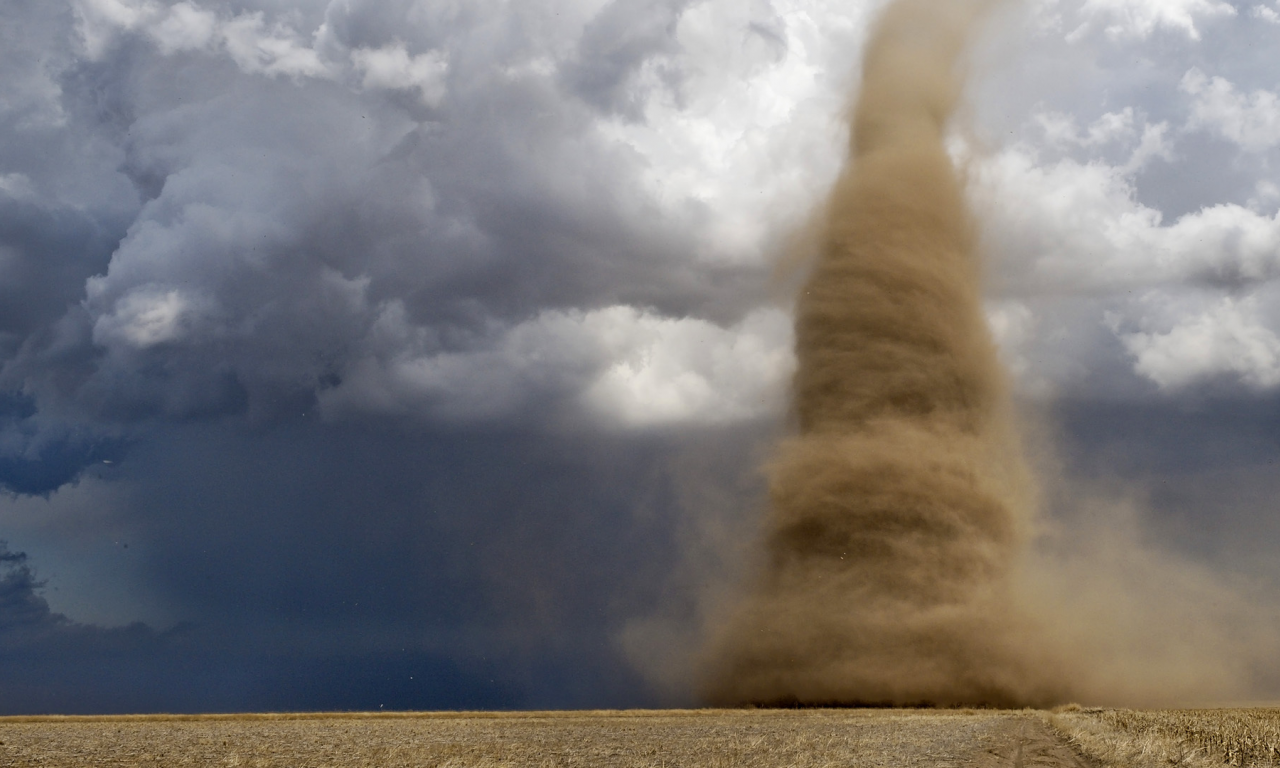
(1073, 737)
(1196, 738)
(703, 738)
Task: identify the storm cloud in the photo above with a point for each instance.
(450, 334)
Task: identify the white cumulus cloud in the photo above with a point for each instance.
(1230, 337)
(392, 67)
(1250, 120)
(145, 318)
(1137, 19)
(1080, 224)
(1080, 259)
(1268, 15)
(686, 370)
(624, 366)
(254, 45)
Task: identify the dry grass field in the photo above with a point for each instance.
(1189, 737)
(1076, 738)
(797, 739)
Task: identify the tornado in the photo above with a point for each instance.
(900, 504)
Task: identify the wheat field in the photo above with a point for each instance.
(816, 738)
(1188, 737)
(661, 739)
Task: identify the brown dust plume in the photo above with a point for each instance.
(900, 510)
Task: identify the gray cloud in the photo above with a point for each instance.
(320, 221)
(55, 665)
(342, 287)
(617, 46)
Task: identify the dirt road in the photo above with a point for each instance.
(1027, 742)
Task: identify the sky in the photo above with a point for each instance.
(420, 354)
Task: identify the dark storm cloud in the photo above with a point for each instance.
(51, 664)
(47, 256)
(39, 455)
(212, 220)
(338, 208)
(516, 559)
(36, 644)
(424, 306)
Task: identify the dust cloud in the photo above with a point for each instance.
(1137, 621)
(904, 562)
(899, 511)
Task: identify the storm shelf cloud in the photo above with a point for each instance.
(426, 353)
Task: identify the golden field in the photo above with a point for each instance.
(812, 738)
(1190, 737)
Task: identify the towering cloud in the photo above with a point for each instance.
(373, 325)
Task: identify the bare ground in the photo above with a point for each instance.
(661, 739)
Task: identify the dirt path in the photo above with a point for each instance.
(1026, 742)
